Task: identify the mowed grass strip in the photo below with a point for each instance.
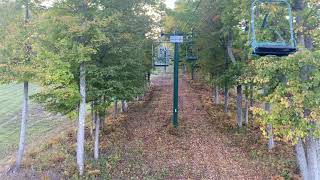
(11, 98)
(40, 122)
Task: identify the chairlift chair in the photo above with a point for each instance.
(191, 56)
(163, 58)
(273, 48)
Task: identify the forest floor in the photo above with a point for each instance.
(142, 144)
(197, 150)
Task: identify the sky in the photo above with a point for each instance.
(170, 3)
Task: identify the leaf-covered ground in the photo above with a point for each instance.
(142, 144)
(196, 150)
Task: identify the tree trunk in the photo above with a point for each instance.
(216, 95)
(82, 114)
(247, 112)
(312, 158)
(123, 106)
(229, 47)
(239, 106)
(97, 132)
(271, 143)
(92, 121)
(251, 96)
(115, 111)
(25, 108)
(226, 98)
(308, 42)
(192, 71)
(103, 119)
(318, 154)
(302, 160)
(226, 91)
(23, 128)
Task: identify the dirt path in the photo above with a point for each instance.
(196, 151)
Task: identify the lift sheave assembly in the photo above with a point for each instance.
(271, 31)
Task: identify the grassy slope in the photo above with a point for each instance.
(40, 123)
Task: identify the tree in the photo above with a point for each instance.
(17, 65)
(290, 100)
(91, 55)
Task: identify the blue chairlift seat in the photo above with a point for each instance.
(191, 58)
(161, 63)
(272, 48)
(265, 48)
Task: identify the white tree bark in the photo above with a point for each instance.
(318, 154)
(246, 115)
(216, 95)
(239, 106)
(97, 132)
(123, 106)
(312, 158)
(23, 127)
(271, 143)
(229, 47)
(92, 121)
(302, 160)
(81, 123)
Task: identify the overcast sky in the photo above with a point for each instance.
(170, 3)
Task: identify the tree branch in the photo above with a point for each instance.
(229, 47)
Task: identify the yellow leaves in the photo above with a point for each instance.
(256, 110)
(94, 172)
(285, 102)
(76, 29)
(315, 115)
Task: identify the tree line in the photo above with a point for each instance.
(282, 93)
(80, 52)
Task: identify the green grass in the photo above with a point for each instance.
(40, 123)
(11, 99)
